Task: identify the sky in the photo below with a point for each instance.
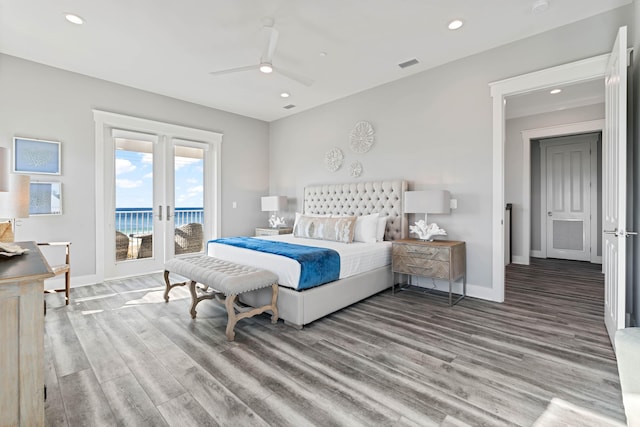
(134, 180)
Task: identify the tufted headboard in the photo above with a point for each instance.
(361, 198)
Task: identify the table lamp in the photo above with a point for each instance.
(4, 170)
(14, 204)
(427, 202)
(274, 204)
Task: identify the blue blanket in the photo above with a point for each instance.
(317, 265)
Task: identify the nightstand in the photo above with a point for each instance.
(266, 231)
(440, 259)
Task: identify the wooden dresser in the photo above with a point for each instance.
(22, 337)
(440, 259)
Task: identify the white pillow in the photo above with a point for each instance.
(366, 228)
(382, 227)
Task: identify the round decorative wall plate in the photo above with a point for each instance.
(333, 159)
(362, 137)
(355, 169)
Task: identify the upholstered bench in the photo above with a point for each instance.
(222, 278)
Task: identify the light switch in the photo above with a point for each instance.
(234, 205)
(453, 203)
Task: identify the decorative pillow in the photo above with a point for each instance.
(298, 215)
(366, 228)
(324, 228)
(382, 227)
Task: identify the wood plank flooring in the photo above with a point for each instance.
(119, 355)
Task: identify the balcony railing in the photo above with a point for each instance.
(136, 222)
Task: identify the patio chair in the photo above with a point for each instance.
(188, 239)
(122, 246)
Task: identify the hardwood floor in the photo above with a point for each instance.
(119, 355)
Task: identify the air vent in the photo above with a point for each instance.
(409, 63)
(289, 107)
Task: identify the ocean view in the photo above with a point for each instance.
(140, 220)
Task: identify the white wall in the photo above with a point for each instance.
(42, 102)
(433, 129)
(514, 167)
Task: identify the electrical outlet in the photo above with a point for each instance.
(453, 203)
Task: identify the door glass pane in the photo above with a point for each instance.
(134, 199)
(189, 199)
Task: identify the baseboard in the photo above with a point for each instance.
(519, 259)
(536, 254)
(473, 291)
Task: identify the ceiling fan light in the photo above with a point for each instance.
(266, 68)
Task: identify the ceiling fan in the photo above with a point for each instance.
(266, 64)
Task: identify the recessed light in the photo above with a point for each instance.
(74, 19)
(323, 53)
(266, 68)
(455, 24)
(540, 6)
(555, 91)
(285, 95)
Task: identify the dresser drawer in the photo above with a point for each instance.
(422, 252)
(430, 268)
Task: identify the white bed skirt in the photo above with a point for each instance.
(299, 308)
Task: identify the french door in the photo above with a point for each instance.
(161, 193)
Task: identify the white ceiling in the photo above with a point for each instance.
(169, 47)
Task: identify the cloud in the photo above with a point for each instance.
(128, 183)
(146, 158)
(193, 191)
(124, 166)
(148, 175)
(181, 162)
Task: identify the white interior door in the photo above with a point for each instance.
(615, 186)
(569, 201)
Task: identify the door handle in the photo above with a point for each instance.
(160, 212)
(630, 233)
(614, 231)
(168, 212)
(549, 213)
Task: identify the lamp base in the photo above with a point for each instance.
(6, 232)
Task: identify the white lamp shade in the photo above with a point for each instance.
(273, 203)
(15, 202)
(4, 170)
(427, 201)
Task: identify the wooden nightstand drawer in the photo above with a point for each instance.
(421, 251)
(435, 269)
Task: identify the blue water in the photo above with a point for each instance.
(140, 220)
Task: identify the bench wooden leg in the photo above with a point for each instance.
(232, 318)
(195, 298)
(169, 286)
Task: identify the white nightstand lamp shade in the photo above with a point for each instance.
(15, 202)
(274, 204)
(427, 202)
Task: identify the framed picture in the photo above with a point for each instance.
(36, 156)
(45, 198)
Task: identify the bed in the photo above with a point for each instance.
(301, 307)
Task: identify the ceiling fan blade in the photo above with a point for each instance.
(234, 70)
(270, 46)
(300, 79)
